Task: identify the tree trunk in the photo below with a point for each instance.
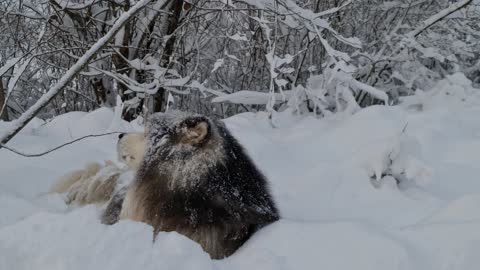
(172, 22)
(4, 114)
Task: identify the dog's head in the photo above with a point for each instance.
(182, 146)
(179, 130)
(131, 149)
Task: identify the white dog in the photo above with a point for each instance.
(96, 182)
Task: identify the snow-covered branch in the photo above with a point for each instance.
(439, 16)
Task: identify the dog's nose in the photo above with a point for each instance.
(121, 135)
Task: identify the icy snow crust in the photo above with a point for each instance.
(333, 180)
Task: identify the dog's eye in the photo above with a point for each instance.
(124, 157)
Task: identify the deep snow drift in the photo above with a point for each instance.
(334, 180)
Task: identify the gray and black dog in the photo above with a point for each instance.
(196, 179)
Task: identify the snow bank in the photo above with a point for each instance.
(390, 187)
(78, 124)
(78, 241)
(324, 245)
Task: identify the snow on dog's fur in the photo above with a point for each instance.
(96, 182)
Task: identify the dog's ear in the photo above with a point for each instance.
(194, 130)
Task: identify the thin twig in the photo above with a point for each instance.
(57, 147)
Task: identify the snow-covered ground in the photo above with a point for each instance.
(333, 179)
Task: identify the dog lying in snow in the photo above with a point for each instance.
(193, 177)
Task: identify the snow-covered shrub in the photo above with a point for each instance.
(398, 157)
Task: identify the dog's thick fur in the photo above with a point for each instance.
(96, 182)
(197, 180)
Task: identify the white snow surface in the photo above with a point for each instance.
(339, 210)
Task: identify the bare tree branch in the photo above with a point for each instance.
(21, 153)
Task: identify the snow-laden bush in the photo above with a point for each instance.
(399, 158)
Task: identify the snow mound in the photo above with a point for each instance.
(326, 245)
(78, 241)
(455, 89)
(78, 124)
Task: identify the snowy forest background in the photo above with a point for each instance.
(224, 57)
(301, 84)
